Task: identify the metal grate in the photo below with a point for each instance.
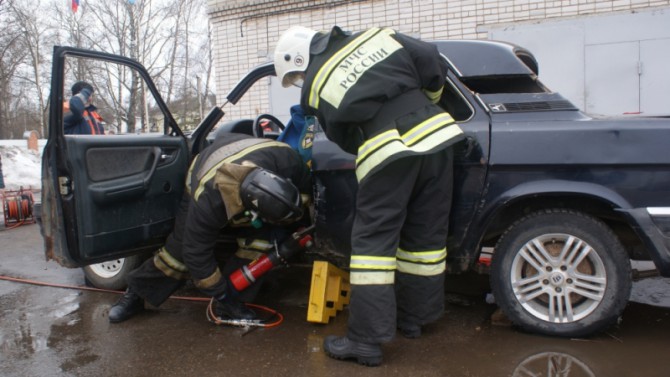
(512, 107)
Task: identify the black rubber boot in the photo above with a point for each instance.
(233, 309)
(410, 331)
(342, 348)
(128, 305)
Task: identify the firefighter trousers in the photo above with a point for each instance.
(399, 246)
(159, 277)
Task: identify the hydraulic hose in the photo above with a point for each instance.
(274, 319)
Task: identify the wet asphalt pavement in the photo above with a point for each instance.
(49, 331)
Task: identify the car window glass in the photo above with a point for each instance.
(121, 102)
(454, 103)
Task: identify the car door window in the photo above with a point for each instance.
(122, 100)
(116, 194)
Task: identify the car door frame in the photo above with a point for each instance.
(90, 216)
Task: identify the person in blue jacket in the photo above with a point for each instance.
(82, 117)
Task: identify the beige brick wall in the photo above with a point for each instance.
(245, 32)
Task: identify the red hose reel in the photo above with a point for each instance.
(18, 207)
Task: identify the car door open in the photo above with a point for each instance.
(113, 195)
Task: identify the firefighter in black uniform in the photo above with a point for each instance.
(237, 181)
(375, 94)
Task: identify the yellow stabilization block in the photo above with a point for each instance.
(329, 292)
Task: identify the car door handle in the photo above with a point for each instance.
(158, 155)
(167, 156)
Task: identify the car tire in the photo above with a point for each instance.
(111, 274)
(545, 287)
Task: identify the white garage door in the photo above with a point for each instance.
(606, 64)
(655, 77)
(612, 88)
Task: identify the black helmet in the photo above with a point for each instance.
(275, 199)
(79, 85)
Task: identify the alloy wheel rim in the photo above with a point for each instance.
(558, 278)
(107, 269)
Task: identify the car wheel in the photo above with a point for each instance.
(111, 274)
(562, 273)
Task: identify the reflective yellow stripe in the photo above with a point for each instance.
(169, 265)
(326, 68)
(396, 146)
(430, 257)
(412, 136)
(241, 220)
(248, 254)
(167, 271)
(421, 269)
(351, 68)
(372, 144)
(257, 244)
(372, 263)
(226, 151)
(209, 281)
(418, 132)
(212, 171)
(188, 176)
(171, 261)
(434, 97)
(371, 278)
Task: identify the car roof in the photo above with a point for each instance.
(478, 58)
(468, 58)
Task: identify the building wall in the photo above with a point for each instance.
(607, 64)
(245, 32)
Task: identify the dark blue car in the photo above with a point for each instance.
(560, 202)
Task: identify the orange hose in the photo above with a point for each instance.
(12, 209)
(212, 317)
(25, 207)
(12, 213)
(210, 311)
(84, 288)
(18, 209)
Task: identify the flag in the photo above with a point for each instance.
(75, 5)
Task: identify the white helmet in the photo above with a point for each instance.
(292, 54)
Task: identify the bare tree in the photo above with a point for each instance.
(190, 60)
(133, 30)
(168, 37)
(34, 36)
(12, 56)
(174, 48)
(204, 62)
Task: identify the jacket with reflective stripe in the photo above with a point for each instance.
(82, 121)
(365, 84)
(207, 214)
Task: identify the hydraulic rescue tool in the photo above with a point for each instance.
(246, 275)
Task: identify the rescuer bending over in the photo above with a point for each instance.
(238, 181)
(375, 93)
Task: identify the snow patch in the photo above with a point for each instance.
(21, 167)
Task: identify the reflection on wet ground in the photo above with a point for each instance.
(552, 364)
(48, 331)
